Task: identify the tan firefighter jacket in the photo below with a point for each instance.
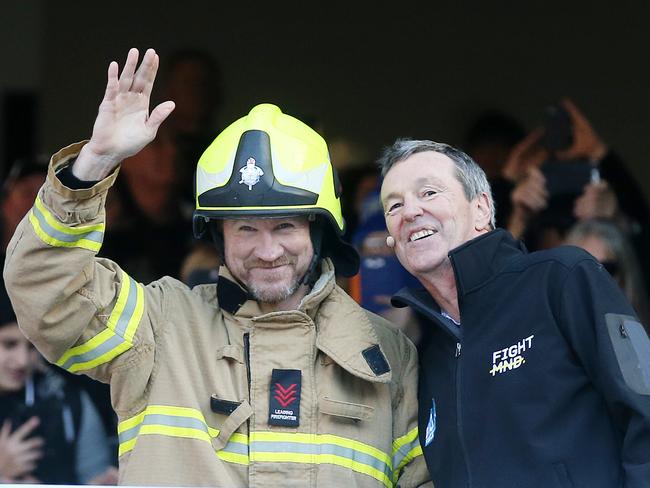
(208, 390)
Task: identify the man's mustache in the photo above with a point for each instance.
(260, 263)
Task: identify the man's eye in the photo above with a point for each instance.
(392, 208)
(247, 228)
(429, 193)
(285, 226)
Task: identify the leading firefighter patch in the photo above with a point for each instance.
(284, 405)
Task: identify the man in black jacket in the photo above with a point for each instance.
(535, 371)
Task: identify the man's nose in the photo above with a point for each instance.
(268, 247)
(412, 209)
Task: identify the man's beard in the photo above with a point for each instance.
(264, 295)
(271, 294)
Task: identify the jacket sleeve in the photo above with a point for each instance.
(83, 313)
(589, 297)
(409, 468)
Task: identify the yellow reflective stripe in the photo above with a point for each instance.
(289, 457)
(405, 439)
(171, 411)
(233, 457)
(137, 313)
(321, 439)
(118, 335)
(54, 233)
(100, 338)
(405, 448)
(167, 410)
(131, 422)
(323, 449)
(126, 446)
(236, 437)
(173, 431)
(413, 453)
(104, 358)
(160, 419)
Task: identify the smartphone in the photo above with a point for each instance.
(566, 178)
(558, 130)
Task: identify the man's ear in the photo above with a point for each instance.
(482, 213)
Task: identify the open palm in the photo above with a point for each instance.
(123, 125)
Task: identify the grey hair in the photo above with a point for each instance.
(468, 173)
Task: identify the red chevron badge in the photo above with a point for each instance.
(285, 396)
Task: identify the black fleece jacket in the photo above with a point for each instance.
(528, 391)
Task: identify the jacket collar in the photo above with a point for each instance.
(474, 263)
(479, 259)
(343, 329)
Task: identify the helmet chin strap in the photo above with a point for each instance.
(217, 239)
(313, 272)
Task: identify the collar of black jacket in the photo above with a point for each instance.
(474, 263)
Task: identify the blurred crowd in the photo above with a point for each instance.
(561, 183)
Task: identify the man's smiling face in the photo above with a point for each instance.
(427, 212)
(269, 256)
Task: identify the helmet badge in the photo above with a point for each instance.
(250, 174)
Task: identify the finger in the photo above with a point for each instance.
(536, 198)
(25, 429)
(6, 430)
(31, 454)
(111, 82)
(539, 188)
(126, 78)
(24, 469)
(574, 112)
(146, 74)
(531, 139)
(33, 443)
(159, 114)
(580, 210)
(535, 174)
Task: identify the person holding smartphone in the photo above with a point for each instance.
(49, 431)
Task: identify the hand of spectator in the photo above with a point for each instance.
(586, 142)
(528, 198)
(530, 193)
(597, 201)
(123, 125)
(526, 154)
(108, 477)
(18, 453)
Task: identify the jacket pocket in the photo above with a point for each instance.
(632, 349)
(346, 410)
(562, 476)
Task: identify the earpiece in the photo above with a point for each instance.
(390, 241)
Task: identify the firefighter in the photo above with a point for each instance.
(273, 376)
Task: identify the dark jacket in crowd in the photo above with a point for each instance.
(528, 390)
(59, 408)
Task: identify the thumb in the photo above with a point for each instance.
(159, 114)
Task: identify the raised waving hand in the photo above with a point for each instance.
(123, 125)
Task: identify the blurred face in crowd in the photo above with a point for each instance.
(17, 358)
(269, 256)
(597, 247)
(194, 88)
(427, 212)
(20, 198)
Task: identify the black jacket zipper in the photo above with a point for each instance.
(247, 353)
